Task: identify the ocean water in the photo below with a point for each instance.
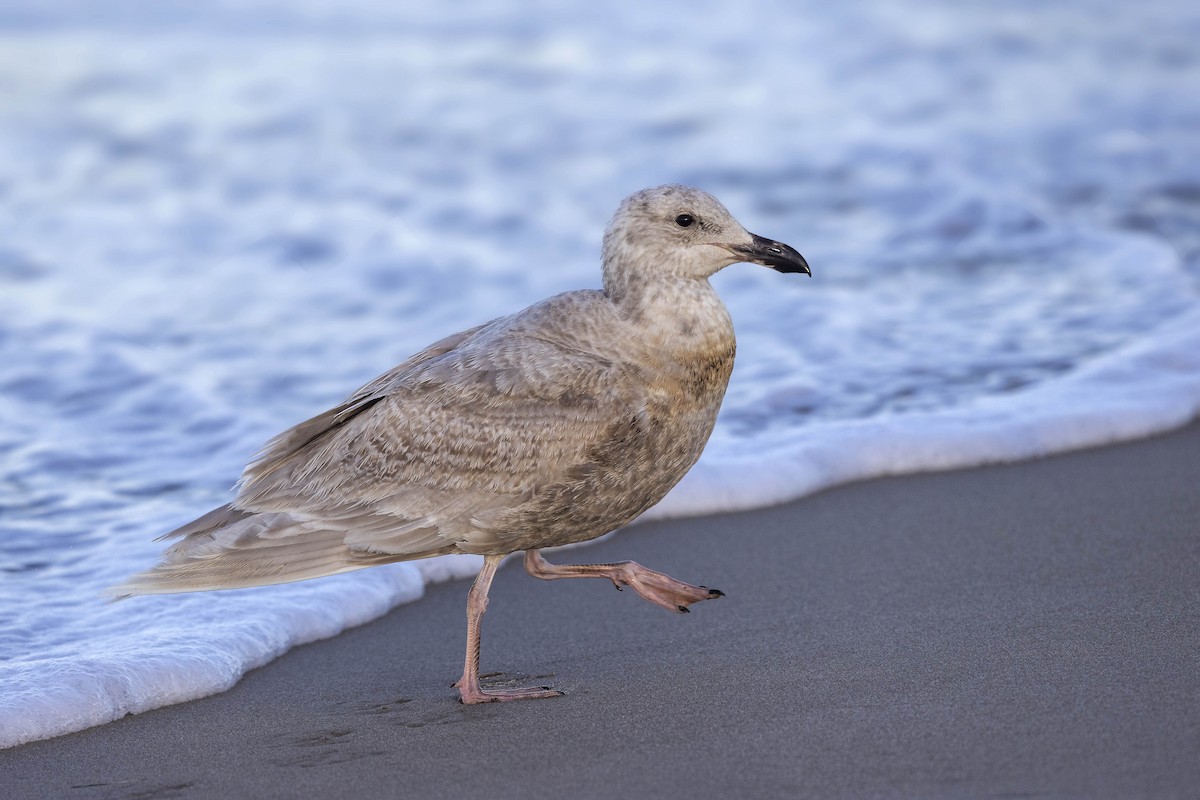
(216, 221)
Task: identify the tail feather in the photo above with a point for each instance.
(246, 568)
(229, 548)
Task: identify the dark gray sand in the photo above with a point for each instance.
(1012, 631)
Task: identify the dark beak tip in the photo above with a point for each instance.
(802, 267)
(776, 255)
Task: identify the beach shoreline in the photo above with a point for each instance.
(1027, 628)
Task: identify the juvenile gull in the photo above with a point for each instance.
(554, 425)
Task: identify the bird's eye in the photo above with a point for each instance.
(683, 220)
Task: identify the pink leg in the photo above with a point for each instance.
(660, 589)
(468, 686)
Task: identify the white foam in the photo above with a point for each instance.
(186, 648)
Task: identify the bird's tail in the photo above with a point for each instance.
(229, 548)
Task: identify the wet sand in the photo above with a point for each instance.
(1018, 630)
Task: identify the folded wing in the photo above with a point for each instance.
(414, 464)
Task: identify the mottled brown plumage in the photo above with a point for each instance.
(551, 426)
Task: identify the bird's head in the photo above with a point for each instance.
(684, 232)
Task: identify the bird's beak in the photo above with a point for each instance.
(776, 255)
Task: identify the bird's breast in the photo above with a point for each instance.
(706, 375)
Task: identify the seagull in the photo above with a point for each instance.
(553, 425)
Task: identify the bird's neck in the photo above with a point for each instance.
(674, 315)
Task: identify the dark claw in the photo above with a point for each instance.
(683, 610)
(714, 592)
(617, 586)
